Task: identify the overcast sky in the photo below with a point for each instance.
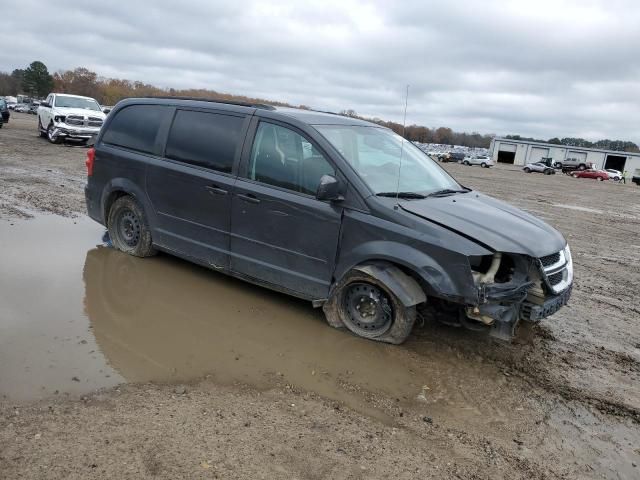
(538, 68)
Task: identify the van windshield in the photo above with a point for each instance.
(375, 152)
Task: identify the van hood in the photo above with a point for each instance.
(489, 222)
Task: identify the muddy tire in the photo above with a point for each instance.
(128, 228)
(369, 309)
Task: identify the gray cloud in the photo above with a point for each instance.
(543, 68)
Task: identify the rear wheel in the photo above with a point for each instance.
(582, 167)
(466, 163)
(128, 228)
(599, 179)
(483, 165)
(527, 169)
(41, 131)
(369, 309)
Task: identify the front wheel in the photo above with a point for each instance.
(582, 167)
(599, 179)
(128, 228)
(53, 138)
(369, 309)
(483, 165)
(466, 163)
(527, 170)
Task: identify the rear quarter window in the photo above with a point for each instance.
(136, 127)
(205, 139)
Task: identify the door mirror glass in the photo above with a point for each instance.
(45, 104)
(330, 188)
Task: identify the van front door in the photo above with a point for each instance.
(280, 233)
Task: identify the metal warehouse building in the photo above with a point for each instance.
(521, 152)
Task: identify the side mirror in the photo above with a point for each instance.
(106, 111)
(330, 188)
(45, 104)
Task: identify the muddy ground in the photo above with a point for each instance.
(118, 367)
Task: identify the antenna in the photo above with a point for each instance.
(404, 124)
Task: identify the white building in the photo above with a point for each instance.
(521, 152)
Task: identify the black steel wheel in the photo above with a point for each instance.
(368, 309)
(128, 229)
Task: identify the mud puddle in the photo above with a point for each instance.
(76, 316)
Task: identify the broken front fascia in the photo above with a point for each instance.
(499, 302)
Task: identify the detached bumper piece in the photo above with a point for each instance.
(534, 313)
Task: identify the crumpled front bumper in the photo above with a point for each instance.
(83, 133)
(534, 313)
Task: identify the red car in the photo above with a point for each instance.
(597, 174)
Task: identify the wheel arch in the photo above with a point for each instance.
(120, 187)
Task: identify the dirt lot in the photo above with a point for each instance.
(114, 367)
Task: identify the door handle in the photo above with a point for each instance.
(248, 197)
(214, 190)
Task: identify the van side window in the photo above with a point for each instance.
(204, 139)
(135, 127)
(283, 158)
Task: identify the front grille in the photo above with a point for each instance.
(557, 271)
(550, 259)
(75, 120)
(94, 122)
(555, 278)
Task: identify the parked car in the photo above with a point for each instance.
(74, 117)
(316, 205)
(21, 107)
(539, 167)
(452, 157)
(614, 175)
(573, 163)
(599, 175)
(482, 160)
(4, 110)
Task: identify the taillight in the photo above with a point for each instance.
(91, 156)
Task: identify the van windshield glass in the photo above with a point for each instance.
(76, 102)
(374, 153)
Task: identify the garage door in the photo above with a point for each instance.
(538, 154)
(507, 147)
(581, 156)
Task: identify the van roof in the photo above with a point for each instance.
(311, 117)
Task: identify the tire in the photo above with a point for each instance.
(484, 165)
(50, 137)
(41, 131)
(466, 163)
(558, 165)
(599, 179)
(547, 172)
(128, 228)
(350, 291)
(582, 167)
(527, 170)
(574, 175)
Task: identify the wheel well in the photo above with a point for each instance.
(404, 269)
(113, 196)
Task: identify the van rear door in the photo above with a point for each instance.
(190, 189)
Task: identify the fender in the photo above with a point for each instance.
(402, 285)
(130, 188)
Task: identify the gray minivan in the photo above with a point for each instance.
(328, 208)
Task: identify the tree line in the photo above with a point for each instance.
(36, 81)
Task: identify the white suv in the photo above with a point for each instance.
(63, 116)
(481, 160)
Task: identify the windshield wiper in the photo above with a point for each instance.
(447, 191)
(408, 195)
